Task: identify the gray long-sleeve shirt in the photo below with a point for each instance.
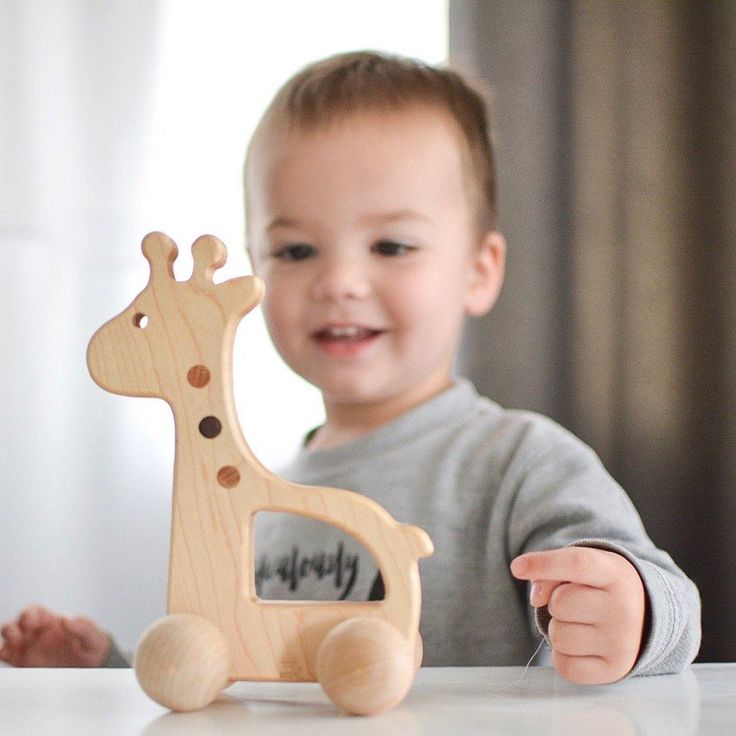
(487, 484)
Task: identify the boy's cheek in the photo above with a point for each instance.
(275, 321)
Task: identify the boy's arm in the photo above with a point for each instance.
(563, 497)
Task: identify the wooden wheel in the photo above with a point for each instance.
(182, 662)
(365, 665)
(418, 653)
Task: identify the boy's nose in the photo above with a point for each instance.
(341, 279)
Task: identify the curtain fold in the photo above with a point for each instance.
(633, 312)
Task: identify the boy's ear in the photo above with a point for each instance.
(487, 274)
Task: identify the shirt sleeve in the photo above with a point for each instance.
(563, 496)
(116, 658)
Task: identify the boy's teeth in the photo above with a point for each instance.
(351, 331)
(346, 332)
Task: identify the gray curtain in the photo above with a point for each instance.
(615, 123)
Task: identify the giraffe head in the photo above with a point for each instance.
(173, 331)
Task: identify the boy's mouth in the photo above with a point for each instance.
(345, 339)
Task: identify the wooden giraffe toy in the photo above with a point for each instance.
(175, 342)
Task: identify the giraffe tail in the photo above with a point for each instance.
(419, 541)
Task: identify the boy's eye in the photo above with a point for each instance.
(391, 248)
(295, 252)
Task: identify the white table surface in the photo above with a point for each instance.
(456, 701)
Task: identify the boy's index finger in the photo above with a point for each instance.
(580, 565)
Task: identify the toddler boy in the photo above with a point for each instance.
(370, 195)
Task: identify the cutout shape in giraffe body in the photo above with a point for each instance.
(175, 342)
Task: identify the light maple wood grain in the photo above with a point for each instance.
(175, 342)
(182, 662)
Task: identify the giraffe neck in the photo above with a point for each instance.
(218, 487)
(210, 448)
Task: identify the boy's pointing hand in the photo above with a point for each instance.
(597, 604)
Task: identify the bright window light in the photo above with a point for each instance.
(220, 64)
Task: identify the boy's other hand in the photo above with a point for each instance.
(597, 605)
(41, 638)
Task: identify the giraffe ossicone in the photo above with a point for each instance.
(208, 253)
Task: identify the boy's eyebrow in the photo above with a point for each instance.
(378, 218)
(395, 216)
(282, 222)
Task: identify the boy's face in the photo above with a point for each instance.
(364, 233)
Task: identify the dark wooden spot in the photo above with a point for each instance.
(210, 427)
(198, 376)
(228, 476)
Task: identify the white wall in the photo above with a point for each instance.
(116, 119)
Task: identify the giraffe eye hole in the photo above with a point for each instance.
(140, 321)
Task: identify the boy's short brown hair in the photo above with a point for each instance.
(364, 81)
